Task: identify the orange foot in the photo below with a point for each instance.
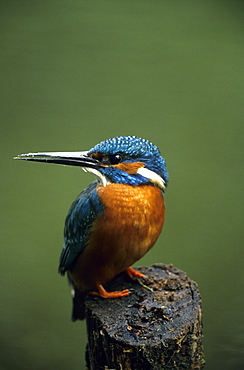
(104, 294)
(133, 273)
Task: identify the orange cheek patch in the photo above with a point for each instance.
(130, 168)
(97, 156)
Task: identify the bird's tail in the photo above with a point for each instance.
(78, 297)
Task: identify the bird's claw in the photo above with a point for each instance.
(134, 273)
(104, 294)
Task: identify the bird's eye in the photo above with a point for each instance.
(115, 158)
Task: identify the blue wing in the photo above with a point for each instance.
(84, 210)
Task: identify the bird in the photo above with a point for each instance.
(116, 219)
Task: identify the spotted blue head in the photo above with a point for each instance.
(124, 159)
(130, 160)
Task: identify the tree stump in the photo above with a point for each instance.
(159, 326)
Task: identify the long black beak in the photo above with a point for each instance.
(80, 159)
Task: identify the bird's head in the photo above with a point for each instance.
(124, 159)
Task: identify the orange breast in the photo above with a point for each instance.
(129, 226)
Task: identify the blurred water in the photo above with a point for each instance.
(75, 73)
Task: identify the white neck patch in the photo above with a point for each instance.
(152, 176)
(103, 180)
(145, 172)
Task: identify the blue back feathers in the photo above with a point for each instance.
(80, 217)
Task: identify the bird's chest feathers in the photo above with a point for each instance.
(129, 226)
(133, 216)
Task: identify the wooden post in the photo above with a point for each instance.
(159, 326)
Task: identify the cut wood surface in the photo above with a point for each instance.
(159, 326)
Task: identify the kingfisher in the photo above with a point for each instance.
(117, 218)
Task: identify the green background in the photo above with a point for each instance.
(74, 73)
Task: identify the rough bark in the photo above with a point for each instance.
(160, 328)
